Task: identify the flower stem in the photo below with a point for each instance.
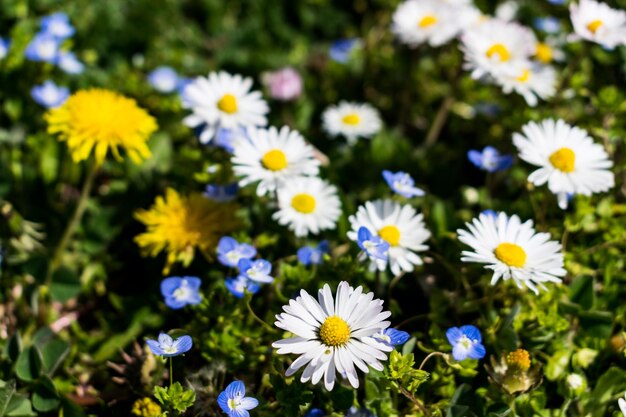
(415, 401)
(439, 121)
(74, 221)
(171, 372)
(257, 318)
(430, 355)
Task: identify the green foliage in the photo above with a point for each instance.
(402, 374)
(175, 399)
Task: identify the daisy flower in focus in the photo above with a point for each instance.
(400, 226)
(570, 162)
(597, 22)
(491, 47)
(530, 80)
(271, 156)
(179, 225)
(351, 120)
(425, 21)
(513, 249)
(234, 402)
(466, 342)
(402, 183)
(222, 100)
(100, 120)
(307, 205)
(333, 334)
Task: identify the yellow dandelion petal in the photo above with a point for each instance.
(181, 224)
(98, 120)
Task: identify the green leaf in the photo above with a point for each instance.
(290, 396)
(6, 393)
(65, 284)
(581, 292)
(29, 364)
(13, 347)
(557, 364)
(20, 406)
(45, 397)
(53, 353)
(70, 409)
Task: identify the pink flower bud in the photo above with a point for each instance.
(284, 84)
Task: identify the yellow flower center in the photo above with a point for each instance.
(563, 159)
(500, 50)
(334, 331)
(544, 53)
(145, 407)
(511, 254)
(519, 360)
(351, 119)
(391, 234)
(274, 160)
(303, 203)
(525, 75)
(227, 104)
(594, 25)
(427, 21)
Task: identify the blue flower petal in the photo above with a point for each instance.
(226, 244)
(183, 344)
(477, 351)
(459, 352)
(248, 403)
(475, 158)
(236, 389)
(154, 347)
(304, 255)
(193, 282)
(244, 265)
(174, 303)
(165, 339)
(169, 285)
(504, 162)
(454, 334)
(397, 337)
(471, 332)
(222, 401)
(263, 266)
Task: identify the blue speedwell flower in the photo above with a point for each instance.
(49, 94)
(57, 25)
(489, 159)
(402, 183)
(548, 24)
(313, 255)
(489, 213)
(5, 44)
(222, 193)
(392, 337)
(240, 285)
(179, 292)
(164, 79)
(258, 271)
(373, 245)
(466, 342)
(68, 63)
(42, 48)
(229, 251)
(341, 50)
(315, 412)
(234, 402)
(167, 347)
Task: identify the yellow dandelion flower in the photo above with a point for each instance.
(146, 407)
(180, 224)
(102, 120)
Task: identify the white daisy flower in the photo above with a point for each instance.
(224, 101)
(271, 156)
(424, 21)
(333, 334)
(597, 22)
(352, 120)
(492, 46)
(570, 162)
(307, 205)
(400, 226)
(528, 79)
(549, 50)
(513, 249)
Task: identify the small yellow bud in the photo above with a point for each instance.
(519, 360)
